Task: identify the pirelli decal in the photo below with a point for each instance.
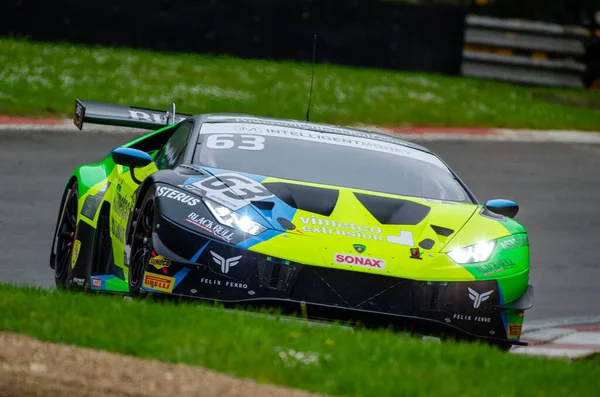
(159, 283)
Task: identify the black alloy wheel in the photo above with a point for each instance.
(64, 239)
(141, 244)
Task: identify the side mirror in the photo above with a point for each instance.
(131, 158)
(503, 207)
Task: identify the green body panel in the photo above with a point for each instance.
(117, 285)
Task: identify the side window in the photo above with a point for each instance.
(171, 154)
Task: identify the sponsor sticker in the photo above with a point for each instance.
(76, 250)
(313, 224)
(479, 298)
(210, 226)
(159, 118)
(354, 260)
(96, 282)
(225, 263)
(158, 282)
(326, 135)
(159, 262)
(78, 281)
(220, 283)
(495, 267)
(477, 319)
(514, 330)
(359, 248)
(174, 194)
(415, 253)
(517, 241)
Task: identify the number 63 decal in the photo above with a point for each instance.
(230, 189)
(225, 141)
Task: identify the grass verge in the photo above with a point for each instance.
(330, 360)
(43, 79)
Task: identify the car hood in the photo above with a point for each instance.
(339, 213)
(351, 229)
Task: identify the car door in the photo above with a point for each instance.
(168, 157)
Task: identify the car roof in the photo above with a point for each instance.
(311, 126)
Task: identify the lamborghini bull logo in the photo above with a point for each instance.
(479, 298)
(225, 264)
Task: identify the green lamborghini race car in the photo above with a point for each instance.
(337, 223)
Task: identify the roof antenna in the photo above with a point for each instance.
(312, 77)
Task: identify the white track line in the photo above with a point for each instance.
(530, 326)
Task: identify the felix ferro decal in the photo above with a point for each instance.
(364, 261)
(225, 264)
(477, 319)
(219, 283)
(479, 298)
(325, 226)
(210, 226)
(163, 191)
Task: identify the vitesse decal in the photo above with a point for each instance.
(177, 195)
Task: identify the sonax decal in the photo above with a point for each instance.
(364, 261)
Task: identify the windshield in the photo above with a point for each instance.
(327, 158)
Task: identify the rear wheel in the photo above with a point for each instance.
(65, 237)
(141, 243)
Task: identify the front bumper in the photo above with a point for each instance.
(212, 270)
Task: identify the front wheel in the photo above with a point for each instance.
(64, 240)
(141, 243)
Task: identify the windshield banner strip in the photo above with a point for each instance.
(320, 137)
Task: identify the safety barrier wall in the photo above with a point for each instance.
(527, 52)
(370, 33)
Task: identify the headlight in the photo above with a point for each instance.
(91, 203)
(479, 252)
(229, 218)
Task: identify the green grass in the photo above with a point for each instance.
(331, 360)
(43, 79)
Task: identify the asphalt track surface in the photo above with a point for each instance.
(557, 186)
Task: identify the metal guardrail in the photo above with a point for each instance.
(525, 52)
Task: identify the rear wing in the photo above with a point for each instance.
(124, 116)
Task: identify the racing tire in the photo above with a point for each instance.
(141, 243)
(64, 238)
(505, 347)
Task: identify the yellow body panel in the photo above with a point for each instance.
(318, 239)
